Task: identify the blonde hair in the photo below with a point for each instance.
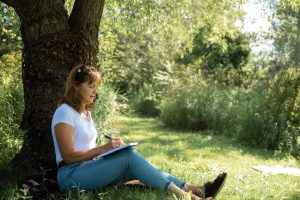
(78, 75)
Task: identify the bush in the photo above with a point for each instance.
(105, 106)
(270, 117)
(145, 101)
(11, 106)
(181, 106)
(11, 109)
(174, 108)
(253, 121)
(284, 102)
(201, 105)
(265, 115)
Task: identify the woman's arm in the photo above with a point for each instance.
(65, 139)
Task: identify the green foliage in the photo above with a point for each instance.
(10, 37)
(218, 53)
(105, 106)
(289, 7)
(264, 115)
(181, 106)
(138, 39)
(268, 113)
(11, 107)
(11, 89)
(69, 5)
(285, 93)
(285, 40)
(284, 102)
(218, 49)
(284, 31)
(145, 100)
(10, 67)
(125, 50)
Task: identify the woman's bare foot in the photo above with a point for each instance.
(134, 182)
(196, 190)
(195, 197)
(180, 194)
(209, 189)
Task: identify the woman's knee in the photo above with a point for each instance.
(130, 152)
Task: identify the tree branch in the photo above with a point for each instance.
(86, 14)
(84, 22)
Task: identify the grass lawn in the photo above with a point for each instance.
(196, 158)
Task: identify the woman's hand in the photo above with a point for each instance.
(114, 143)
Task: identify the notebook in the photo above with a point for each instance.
(106, 153)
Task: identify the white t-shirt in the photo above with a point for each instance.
(84, 130)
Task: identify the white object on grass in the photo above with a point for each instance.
(278, 170)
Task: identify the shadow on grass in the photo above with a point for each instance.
(158, 134)
(124, 192)
(293, 195)
(10, 190)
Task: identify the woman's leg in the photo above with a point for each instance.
(119, 167)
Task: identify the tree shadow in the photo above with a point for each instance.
(195, 140)
(295, 195)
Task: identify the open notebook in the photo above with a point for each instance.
(106, 153)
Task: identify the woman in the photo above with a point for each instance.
(74, 137)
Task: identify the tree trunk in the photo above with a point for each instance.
(297, 48)
(53, 44)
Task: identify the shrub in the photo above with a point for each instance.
(270, 114)
(11, 109)
(11, 106)
(265, 115)
(145, 101)
(181, 108)
(174, 108)
(105, 106)
(284, 102)
(253, 120)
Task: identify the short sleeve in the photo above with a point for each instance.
(64, 114)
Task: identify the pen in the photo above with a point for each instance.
(107, 136)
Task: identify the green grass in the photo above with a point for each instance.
(195, 157)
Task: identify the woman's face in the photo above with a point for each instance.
(88, 92)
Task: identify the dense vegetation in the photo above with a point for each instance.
(189, 65)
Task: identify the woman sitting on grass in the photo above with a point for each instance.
(74, 137)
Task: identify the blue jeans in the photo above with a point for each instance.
(116, 168)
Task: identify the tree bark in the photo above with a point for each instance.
(53, 44)
(84, 23)
(297, 48)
